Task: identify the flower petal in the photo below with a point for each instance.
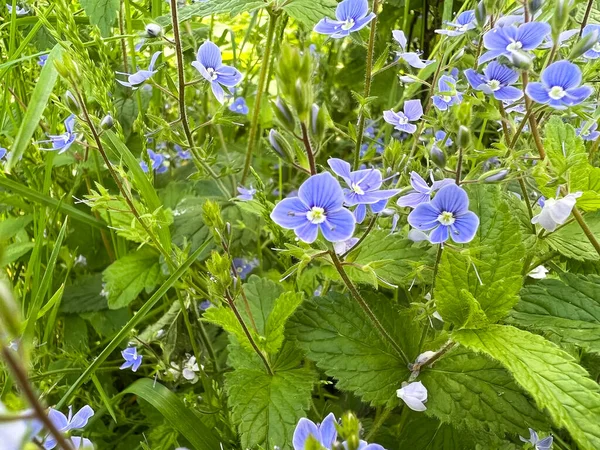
(451, 198)
(475, 79)
(439, 234)
(352, 9)
(537, 92)
(218, 91)
(497, 39)
(413, 109)
(464, 228)
(338, 226)
(531, 34)
(412, 200)
(562, 73)
(400, 38)
(58, 419)
(229, 76)
(307, 232)
(508, 93)
(424, 217)
(501, 73)
(341, 168)
(360, 212)
(209, 55)
(328, 430)
(328, 26)
(290, 213)
(80, 419)
(322, 190)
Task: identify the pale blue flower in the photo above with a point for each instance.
(447, 95)
(351, 15)
(239, 106)
(42, 60)
(19, 11)
(157, 160)
(62, 142)
(496, 80)
(66, 424)
(413, 59)
(246, 194)
(594, 52)
(325, 433)
(589, 134)
(559, 86)
(135, 80)
(413, 110)
(132, 359)
(538, 444)
(181, 153)
(421, 192)
(210, 65)
(464, 22)
(506, 40)
(244, 266)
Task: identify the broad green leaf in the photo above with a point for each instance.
(490, 270)
(85, 295)
(13, 252)
(568, 308)
(285, 305)
(176, 413)
(564, 148)
(209, 7)
(336, 334)
(225, 318)
(310, 11)
(571, 241)
(262, 295)
(552, 377)
(426, 433)
(473, 392)
(128, 276)
(35, 108)
(102, 13)
(12, 225)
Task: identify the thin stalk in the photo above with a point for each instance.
(309, 150)
(586, 16)
(368, 81)
(459, 165)
(363, 237)
(379, 421)
(532, 120)
(441, 352)
(365, 307)
(262, 84)
(586, 229)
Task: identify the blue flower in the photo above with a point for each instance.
(18, 11)
(65, 424)
(594, 52)
(440, 136)
(412, 59)
(42, 60)
(3, 152)
(587, 134)
(562, 38)
(509, 39)
(413, 110)
(239, 106)
(181, 153)
(559, 87)
(62, 142)
(421, 190)
(244, 266)
(157, 160)
(246, 194)
(135, 80)
(351, 15)
(447, 215)
(132, 359)
(447, 94)
(204, 305)
(538, 444)
(496, 80)
(325, 433)
(210, 65)
(464, 22)
(319, 206)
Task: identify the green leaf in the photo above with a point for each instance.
(12, 225)
(564, 148)
(310, 11)
(225, 318)
(13, 252)
(84, 295)
(335, 333)
(549, 374)
(209, 7)
(262, 295)
(568, 308)
(490, 270)
(285, 305)
(128, 276)
(426, 433)
(476, 393)
(35, 108)
(176, 413)
(571, 241)
(102, 13)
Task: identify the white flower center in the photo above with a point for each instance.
(348, 24)
(464, 27)
(556, 93)
(514, 46)
(585, 133)
(402, 119)
(446, 98)
(316, 215)
(596, 47)
(356, 188)
(494, 85)
(212, 73)
(446, 218)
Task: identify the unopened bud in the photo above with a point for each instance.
(72, 103)
(284, 114)
(107, 122)
(520, 60)
(481, 14)
(317, 121)
(494, 175)
(463, 137)
(302, 99)
(560, 18)
(535, 5)
(280, 145)
(586, 43)
(438, 156)
(153, 30)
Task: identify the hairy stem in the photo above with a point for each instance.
(309, 150)
(586, 16)
(363, 237)
(532, 120)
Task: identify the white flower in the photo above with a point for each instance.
(14, 434)
(556, 212)
(424, 357)
(190, 369)
(538, 273)
(414, 395)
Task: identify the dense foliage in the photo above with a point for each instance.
(299, 224)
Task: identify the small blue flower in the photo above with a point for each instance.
(412, 59)
(181, 153)
(135, 80)
(3, 152)
(19, 11)
(244, 266)
(440, 137)
(559, 86)
(421, 190)
(144, 166)
(246, 194)
(496, 80)
(538, 444)
(562, 38)
(413, 110)
(239, 106)
(42, 60)
(351, 15)
(447, 95)
(210, 65)
(325, 433)
(132, 359)
(204, 305)
(65, 424)
(62, 142)
(464, 22)
(157, 160)
(319, 206)
(594, 52)
(447, 215)
(509, 39)
(589, 134)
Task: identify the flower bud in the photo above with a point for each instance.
(153, 30)
(584, 44)
(107, 122)
(481, 14)
(219, 268)
(535, 5)
(463, 137)
(560, 18)
(211, 216)
(494, 175)
(438, 156)
(521, 60)
(318, 121)
(72, 103)
(302, 99)
(280, 145)
(284, 114)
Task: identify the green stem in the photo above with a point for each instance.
(586, 229)
(379, 421)
(309, 150)
(364, 236)
(262, 82)
(368, 81)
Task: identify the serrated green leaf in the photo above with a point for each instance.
(568, 308)
(426, 433)
(127, 277)
(84, 295)
(473, 392)
(285, 305)
(225, 318)
(336, 334)
(209, 7)
(491, 271)
(571, 241)
(310, 12)
(102, 13)
(262, 295)
(549, 374)
(564, 148)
